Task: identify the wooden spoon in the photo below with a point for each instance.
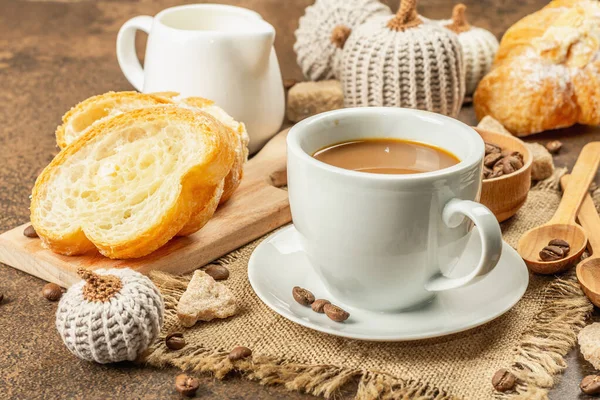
(562, 225)
(588, 270)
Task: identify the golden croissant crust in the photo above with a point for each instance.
(546, 71)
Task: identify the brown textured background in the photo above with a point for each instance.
(56, 53)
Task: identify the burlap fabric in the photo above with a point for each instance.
(530, 340)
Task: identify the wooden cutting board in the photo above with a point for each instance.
(257, 207)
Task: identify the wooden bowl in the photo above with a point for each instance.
(505, 195)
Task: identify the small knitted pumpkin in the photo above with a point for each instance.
(321, 29)
(479, 47)
(112, 316)
(403, 61)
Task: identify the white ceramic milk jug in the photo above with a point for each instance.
(220, 52)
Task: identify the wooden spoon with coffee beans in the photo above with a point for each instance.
(562, 226)
(588, 270)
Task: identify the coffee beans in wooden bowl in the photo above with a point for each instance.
(505, 192)
(499, 162)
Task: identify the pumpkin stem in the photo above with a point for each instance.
(99, 287)
(339, 35)
(459, 22)
(406, 17)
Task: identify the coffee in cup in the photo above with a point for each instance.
(387, 156)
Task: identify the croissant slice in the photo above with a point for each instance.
(98, 108)
(131, 182)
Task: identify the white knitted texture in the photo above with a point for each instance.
(315, 51)
(117, 330)
(421, 67)
(479, 48)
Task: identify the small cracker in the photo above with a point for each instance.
(204, 300)
(589, 344)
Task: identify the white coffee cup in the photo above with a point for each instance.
(219, 52)
(389, 242)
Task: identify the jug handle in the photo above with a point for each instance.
(126, 55)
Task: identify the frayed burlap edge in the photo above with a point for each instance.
(539, 358)
(318, 380)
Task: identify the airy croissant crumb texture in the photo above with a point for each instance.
(131, 182)
(204, 300)
(546, 73)
(102, 107)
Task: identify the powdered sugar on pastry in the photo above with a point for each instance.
(547, 65)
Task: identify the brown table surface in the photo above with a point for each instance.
(56, 53)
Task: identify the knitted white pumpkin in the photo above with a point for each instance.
(479, 47)
(403, 62)
(316, 40)
(112, 316)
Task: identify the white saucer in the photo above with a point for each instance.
(278, 264)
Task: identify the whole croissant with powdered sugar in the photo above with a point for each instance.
(546, 74)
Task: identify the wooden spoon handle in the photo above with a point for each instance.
(582, 176)
(588, 217)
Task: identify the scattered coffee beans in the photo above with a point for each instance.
(566, 247)
(499, 163)
(218, 272)
(335, 313)
(504, 380)
(52, 292)
(554, 146)
(318, 305)
(239, 353)
(175, 341)
(30, 232)
(557, 249)
(186, 385)
(303, 296)
(590, 384)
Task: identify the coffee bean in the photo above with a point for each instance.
(510, 164)
(518, 156)
(504, 380)
(52, 292)
(303, 296)
(239, 353)
(554, 146)
(498, 170)
(319, 304)
(175, 341)
(218, 272)
(487, 172)
(552, 253)
(491, 148)
(186, 385)
(30, 232)
(564, 245)
(335, 313)
(590, 384)
(1, 297)
(491, 159)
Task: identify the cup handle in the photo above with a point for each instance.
(491, 242)
(126, 55)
